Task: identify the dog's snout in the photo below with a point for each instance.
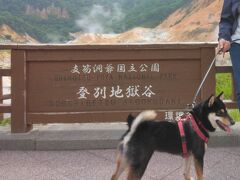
(232, 122)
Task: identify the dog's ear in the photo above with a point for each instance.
(211, 100)
(221, 96)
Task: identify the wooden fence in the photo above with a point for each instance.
(104, 83)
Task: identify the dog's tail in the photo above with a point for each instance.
(133, 123)
(143, 116)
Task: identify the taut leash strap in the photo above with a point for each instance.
(204, 78)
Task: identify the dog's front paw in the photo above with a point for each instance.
(189, 178)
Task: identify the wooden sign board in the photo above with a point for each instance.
(105, 83)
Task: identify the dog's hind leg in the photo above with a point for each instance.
(121, 166)
(187, 170)
(132, 175)
(139, 165)
(198, 161)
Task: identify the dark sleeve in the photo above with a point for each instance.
(226, 21)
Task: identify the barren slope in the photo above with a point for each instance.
(197, 21)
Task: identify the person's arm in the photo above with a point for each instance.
(226, 21)
(225, 27)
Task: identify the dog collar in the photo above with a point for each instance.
(196, 128)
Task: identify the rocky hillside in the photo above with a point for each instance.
(51, 21)
(197, 21)
(8, 35)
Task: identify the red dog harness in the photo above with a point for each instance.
(180, 121)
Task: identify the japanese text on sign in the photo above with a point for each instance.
(109, 68)
(117, 92)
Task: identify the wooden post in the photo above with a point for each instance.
(207, 55)
(1, 94)
(18, 120)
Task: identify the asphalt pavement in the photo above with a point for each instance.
(220, 164)
(88, 152)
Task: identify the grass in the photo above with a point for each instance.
(5, 122)
(224, 83)
(234, 113)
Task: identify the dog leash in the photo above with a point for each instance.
(204, 79)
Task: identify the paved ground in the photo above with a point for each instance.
(221, 164)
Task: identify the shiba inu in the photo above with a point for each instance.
(187, 137)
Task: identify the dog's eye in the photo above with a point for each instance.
(220, 113)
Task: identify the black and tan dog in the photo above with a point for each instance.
(146, 134)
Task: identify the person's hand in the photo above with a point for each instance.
(223, 46)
